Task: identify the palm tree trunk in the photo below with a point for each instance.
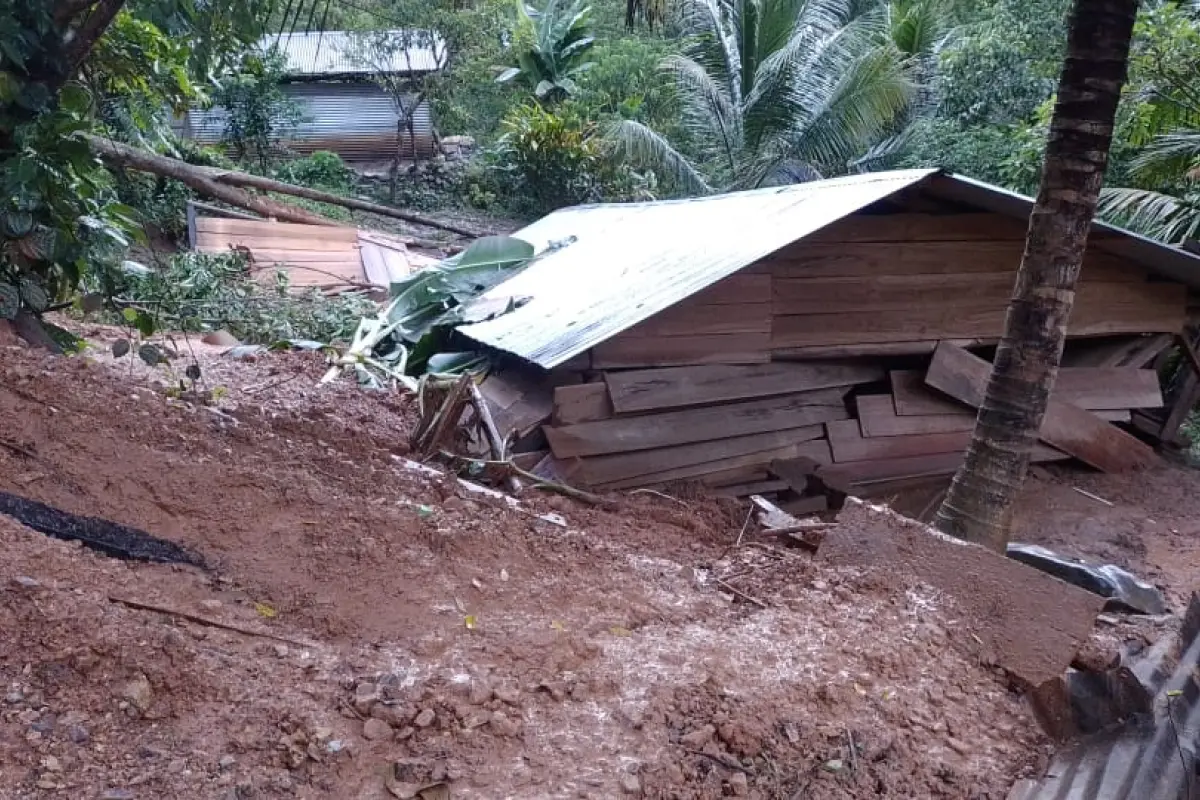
(979, 506)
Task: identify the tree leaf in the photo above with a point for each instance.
(34, 295)
(150, 354)
(145, 324)
(10, 301)
(130, 315)
(120, 347)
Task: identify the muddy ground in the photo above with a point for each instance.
(393, 629)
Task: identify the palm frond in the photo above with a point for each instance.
(1160, 216)
(1168, 158)
(635, 143)
(708, 111)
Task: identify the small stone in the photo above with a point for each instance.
(26, 582)
(51, 764)
(475, 718)
(117, 794)
(211, 605)
(480, 693)
(14, 697)
(739, 784)
(820, 586)
(281, 651)
(138, 693)
(227, 762)
(376, 730)
(630, 784)
(502, 725)
(365, 695)
(699, 737)
(425, 718)
(78, 734)
(508, 693)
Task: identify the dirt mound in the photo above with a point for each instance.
(437, 633)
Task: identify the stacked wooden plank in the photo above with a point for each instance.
(720, 424)
(792, 428)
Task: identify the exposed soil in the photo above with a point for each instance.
(624, 652)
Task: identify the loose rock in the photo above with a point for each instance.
(376, 730)
(138, 693)
(425, 718)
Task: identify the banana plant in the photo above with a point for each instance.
(552, 47)
(404, 340)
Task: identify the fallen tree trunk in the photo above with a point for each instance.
(206, 179)
(201, 180)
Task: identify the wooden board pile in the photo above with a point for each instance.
(801, 431)
(324, 257)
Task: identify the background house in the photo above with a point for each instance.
(330, 75)
(839, 329)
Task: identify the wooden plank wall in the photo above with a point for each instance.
(840, 364)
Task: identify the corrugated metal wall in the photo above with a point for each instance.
(356, 121)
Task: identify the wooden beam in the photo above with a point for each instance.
(909, 228)
(1066, 427)
(651, 389)
(848, 443)
(670, 428)
(1132, 352)
(877, 416)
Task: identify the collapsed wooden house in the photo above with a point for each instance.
(829, 334)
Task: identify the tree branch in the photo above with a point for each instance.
(80, 42)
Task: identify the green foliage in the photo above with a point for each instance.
(551, 49)
(259, 113)
(775, 91)
(321, 170)
(547, 159)
(198, 292)
(58, 215)
(626, 82)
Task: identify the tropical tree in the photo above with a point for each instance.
(979, 505)
(774, 91)
(551, 48)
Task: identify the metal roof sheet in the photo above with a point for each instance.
(322, 54)
(630, 261)
(627, 262)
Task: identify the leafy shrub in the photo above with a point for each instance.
(549, 158)
(196, 292)
(321, 170)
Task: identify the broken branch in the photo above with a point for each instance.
(212, 623)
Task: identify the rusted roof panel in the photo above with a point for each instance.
(627, 262)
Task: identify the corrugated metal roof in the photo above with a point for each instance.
(630, 261)
(1151, 757)
(328, 53)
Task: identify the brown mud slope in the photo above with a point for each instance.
(630, 652)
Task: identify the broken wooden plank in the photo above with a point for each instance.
(670, 428)
(1093, 388)
(716, 456)
(1028, 622)
(1066, 427)
(675, 387)
(583, 402)
(1133, 352)
(816, 448)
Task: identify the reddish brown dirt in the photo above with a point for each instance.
(625, 652)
